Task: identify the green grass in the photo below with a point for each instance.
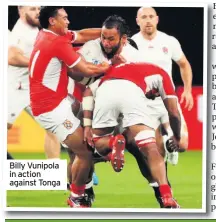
(127, 189)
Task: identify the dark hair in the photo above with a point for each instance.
(46, 12)
(115, 21)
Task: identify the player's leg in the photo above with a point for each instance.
(52, 146)
(77, 111)
(80, 168)
(141, 131)
(65, 125)
(143, 167)
(172, 157)
(105, 117)
(108, 144)
(89, 192)
(144, 137)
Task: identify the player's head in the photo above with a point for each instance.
(147, 20)
(30, 14)
(54, 18)
(114, 35)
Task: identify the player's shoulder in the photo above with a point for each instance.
(166, 37)
(92, 43)
(19, 26)
(92, 51)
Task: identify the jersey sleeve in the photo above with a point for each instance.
(71, 36)
(66, 53)
(14, 40)
(177, 52)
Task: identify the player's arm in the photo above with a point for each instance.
(16, 57)
(186, 75)
(76, 65)
(88, 107)
(186, 72)
(168, 95)
(85, 35)
(87, 69)
(174, 116)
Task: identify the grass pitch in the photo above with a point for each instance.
(127, 189)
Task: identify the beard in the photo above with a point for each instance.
(113, 51)
(32, 22)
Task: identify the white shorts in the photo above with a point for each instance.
(159, 112)
(60, 121)
(18, 100)
(120, 96)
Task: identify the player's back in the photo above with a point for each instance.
(143, 75)
(135, 71)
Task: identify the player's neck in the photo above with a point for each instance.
(149, 37)
(120, 49)
(52, 29)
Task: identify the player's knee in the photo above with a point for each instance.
(145, 139)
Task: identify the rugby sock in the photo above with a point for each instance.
(77, 190)
(165, 190)
(9, 157)
(89, 184)
(89, 191)
(167, 174)
(157, 194)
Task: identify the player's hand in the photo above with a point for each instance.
(104, 66)
(188, 98)
(88, 135)
(152, 94)
(117, 59)
(172, 144)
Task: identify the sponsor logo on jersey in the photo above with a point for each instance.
(94, 61)
(165, 50)
(68, 124)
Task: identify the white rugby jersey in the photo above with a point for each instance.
(23, 37)
(161, 50)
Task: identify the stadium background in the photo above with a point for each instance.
(25, 141)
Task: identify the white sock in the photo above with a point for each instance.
(154, 184)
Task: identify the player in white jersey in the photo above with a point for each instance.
(100, 50)
(159, 48)
(21, 41)
(112, 44)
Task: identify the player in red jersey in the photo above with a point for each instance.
(52, 57)
(132, 85)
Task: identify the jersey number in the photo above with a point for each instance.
(33, 62)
